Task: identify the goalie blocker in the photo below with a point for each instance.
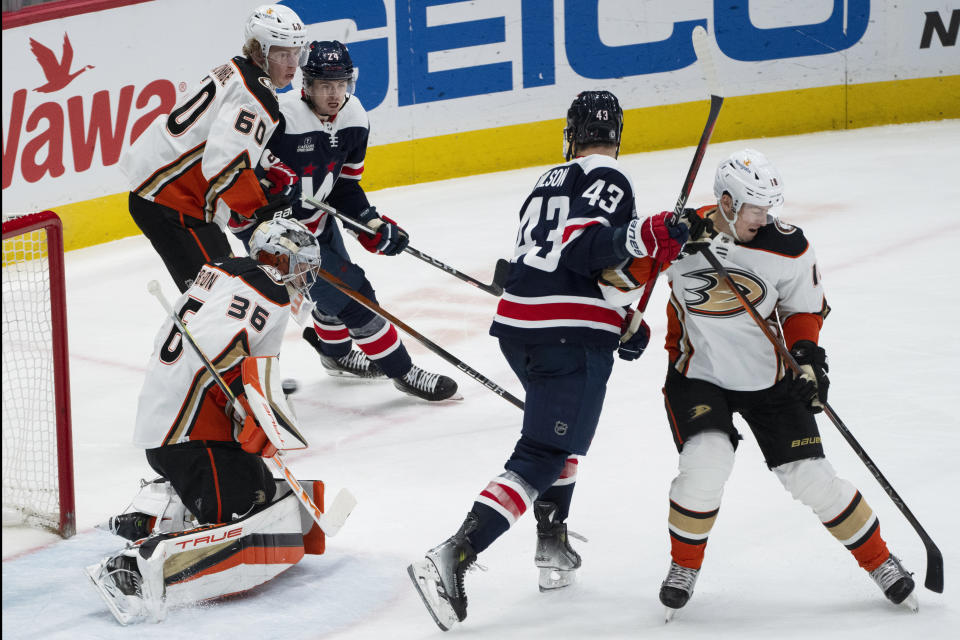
(166, 570)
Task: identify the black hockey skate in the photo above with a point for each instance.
(677, 588)
(557, 560)
(429, 386)
(132, 526)
(355, 364)
(896, 583)
(438, 578)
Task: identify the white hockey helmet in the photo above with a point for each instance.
(749, 178)
(287, 237)
(274, 25)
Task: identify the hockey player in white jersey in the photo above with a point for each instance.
(558, 334)
(216, 521)
(191, 168)
(721, 363)
(324, 140)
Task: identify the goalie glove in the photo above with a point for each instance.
(811, 386)
(386, 236)
(634, 337)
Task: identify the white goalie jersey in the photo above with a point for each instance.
(235, 308)
(710, 335)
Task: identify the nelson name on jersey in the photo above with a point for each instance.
(566, 229)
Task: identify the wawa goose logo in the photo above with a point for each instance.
(56, 71)
(712, 297)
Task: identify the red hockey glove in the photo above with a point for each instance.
(653, 237)
(278, 178)
(388, 237)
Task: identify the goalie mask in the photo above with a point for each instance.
(274, 25)
(749, 178)
(283, 240)
(595, 117)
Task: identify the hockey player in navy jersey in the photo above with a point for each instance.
(558, 333)
(721, 363)
(325, 141)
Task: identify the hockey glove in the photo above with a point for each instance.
(387, 237)
(811, 386)
(654, 237)
(279, 179)
(633, 339)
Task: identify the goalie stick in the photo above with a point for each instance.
(934, 575)
(419, 337)
(701, 46)
(339, 510)
(499, 273)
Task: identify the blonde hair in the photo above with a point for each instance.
(252, 50)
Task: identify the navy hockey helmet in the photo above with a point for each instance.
(595, 117)
(329, 60)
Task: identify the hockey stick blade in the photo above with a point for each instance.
(337, 512)
(492, 288)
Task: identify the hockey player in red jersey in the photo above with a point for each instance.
(216, 521)
(721, 363)
(558, 334)
(192, 168)
(324, 140)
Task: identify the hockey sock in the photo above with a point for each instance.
(499, 505)
(689, 531)
(334, 338)
(858, 529)
(561, 492)
(384, 348)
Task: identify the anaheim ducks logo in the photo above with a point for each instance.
(783, 227)
(715, 299)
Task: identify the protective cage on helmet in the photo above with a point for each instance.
(595, 117)
(329, 60)
(274, 25)
(287, 237)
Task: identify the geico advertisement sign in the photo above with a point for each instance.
(73, 99)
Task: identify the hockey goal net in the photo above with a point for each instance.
(37, 443)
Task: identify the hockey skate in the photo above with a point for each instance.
(429, 386)
(896, 583)
(438, 578)
(132, 526)
(557, 560)
(677, 588)
(355, 364)
(118, 581)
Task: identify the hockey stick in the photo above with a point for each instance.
(330, 521)
(419, 337)
(701, 47)
(499, 272)
(934, 577)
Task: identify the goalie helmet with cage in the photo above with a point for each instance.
(283, 240)
(274, 25)
(749, 178)
(595, 117)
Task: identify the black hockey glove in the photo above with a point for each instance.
(701, 231)
(386, 237)
(278, 208)
(812, 385)
(633, 341)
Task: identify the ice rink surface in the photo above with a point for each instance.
(881, 208)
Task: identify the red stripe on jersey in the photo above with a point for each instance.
(568, 231)
(349, 171)
(559, 311)
(384, 343)
(506, 497)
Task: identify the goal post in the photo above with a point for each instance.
(37, 441)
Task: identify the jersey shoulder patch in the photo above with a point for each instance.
(780, 238)
(265, 279)
(258, 84)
